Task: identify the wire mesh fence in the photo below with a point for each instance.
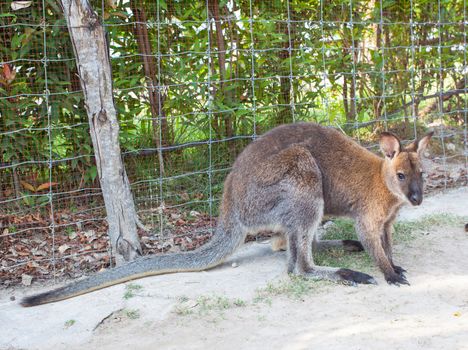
(194, 82)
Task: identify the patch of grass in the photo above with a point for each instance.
(130, 290)
(360, 261)
(207, 304)
(239, 303)
(342, 229)
(214, 303)
(406, 230)
(69, 323)
(132, 314)
(262, 297)
(183, 310)
(295, 287)
(185, 306)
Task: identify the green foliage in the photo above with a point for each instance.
(219, 81)
(131, 289)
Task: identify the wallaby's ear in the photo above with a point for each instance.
(412, 147)
(419, 145)
(422, 144)
(389, 144)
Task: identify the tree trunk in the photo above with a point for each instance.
(345, 96)
(92, 59)
(378, 101)
(226, 117)
(156, 100)
(354, 107)
(284, 97)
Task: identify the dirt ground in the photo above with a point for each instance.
(250, 303)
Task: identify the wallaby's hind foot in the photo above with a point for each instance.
(357, 277)
(279, 242)
(348, 245)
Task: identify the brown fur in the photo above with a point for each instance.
(285, 182)
(313, 164)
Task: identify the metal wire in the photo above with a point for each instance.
(191, 167)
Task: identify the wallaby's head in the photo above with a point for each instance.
(403, 169)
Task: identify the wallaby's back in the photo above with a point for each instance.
(347, 168)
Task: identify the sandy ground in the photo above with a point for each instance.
(432, 313)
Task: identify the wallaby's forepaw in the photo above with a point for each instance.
(350, 245)
(399, 270)
(396, 279)
(355, 277)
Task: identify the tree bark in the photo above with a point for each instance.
(156, 100)
(93, 63)
(345, 96)
(378, 101)
(226, 117)
(285, 114)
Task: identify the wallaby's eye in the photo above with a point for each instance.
(401, 176)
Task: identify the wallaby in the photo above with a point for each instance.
(285, 181)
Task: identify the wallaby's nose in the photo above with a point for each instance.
(416, 198)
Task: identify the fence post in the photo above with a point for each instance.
(93, 63)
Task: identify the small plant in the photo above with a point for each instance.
(132, 314)
(262, 298)
(69, 323)
(239, 303)
(36, 194)
(69, 231)
(183, 299)
(185, 306)
(130, 290)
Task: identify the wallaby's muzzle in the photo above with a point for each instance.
(415, 198)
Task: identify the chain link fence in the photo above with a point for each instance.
(194, 82)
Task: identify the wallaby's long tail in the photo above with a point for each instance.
(211, 254)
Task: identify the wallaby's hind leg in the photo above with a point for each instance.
(300, 212)
(301, 243)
